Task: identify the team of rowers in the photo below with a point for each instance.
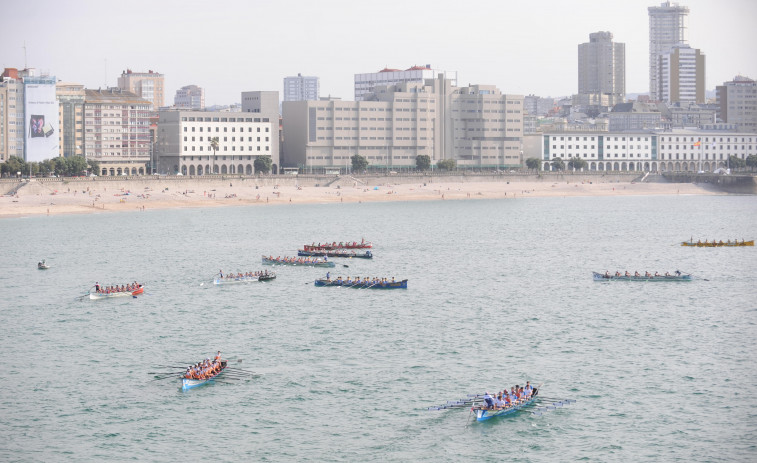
(517, 395)
(297, 260)
(116, 289)
(638, 275)
(718, 243)
(341, 244)
(358, 280)
(205, 369)
(237, 276)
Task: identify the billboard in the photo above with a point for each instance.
(42, 131)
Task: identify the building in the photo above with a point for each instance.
(602, 70)
(364, 83)
(147, 85)
(689, 115)
(667, 28)
(71, 118)
(117, 131)
(184, 142)
(299, 88)
(11, 115)
(265, 106)
(634, 116)
(681, 74)
(189, 97)
(675, 150)
(477, 126)
(737, 103)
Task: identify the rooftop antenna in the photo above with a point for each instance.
(25, 67)
(106, 72)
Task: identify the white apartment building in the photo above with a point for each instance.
(190, 97)
(649, 151)
(299, 88)
(681, 74)
(477, 126)
(667, 28)
(365, 82)
(11, 115)
(737, 103)
(184, 142)
(117, 131)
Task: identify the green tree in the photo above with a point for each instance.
(446, 164)
(423, 162)
(76, 165)
(94, 167)
(60, 166)
(263, 164)
(214, 147)
(736, 163)
(558, 164)
(13, 165)
(577, 164)
(359, 163)
(533, 164)
(751, 161)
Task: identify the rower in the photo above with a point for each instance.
(488, 400)
(218, 356)
(529, 390)
(97, 287)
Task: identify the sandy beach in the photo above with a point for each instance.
(81, 196)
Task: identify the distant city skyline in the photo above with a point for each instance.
(522, 48)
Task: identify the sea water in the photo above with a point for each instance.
(500, 292)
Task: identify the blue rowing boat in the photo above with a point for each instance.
(362, 284)
(483, 413)
(187, 383)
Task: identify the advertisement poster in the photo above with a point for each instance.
(42, 131)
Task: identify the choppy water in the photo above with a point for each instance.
(499, 292)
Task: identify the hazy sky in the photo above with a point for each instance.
(230, 46)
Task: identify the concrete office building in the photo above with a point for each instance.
(189, 97)
(184, 142)
(265, 108)
(71, 118)
(667, 28)
(11, 115)
(737, 103)
(477, 126)
(365, 82)
(634, 116)
(681, 74)
(147, 85)
(537, 106)
(299, 88)
(601, 71)
(117, 131)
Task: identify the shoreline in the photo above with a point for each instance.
(88, 196)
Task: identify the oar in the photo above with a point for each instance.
(211, 278)
(697, 276)
(85, 295)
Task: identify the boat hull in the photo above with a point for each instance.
(367, 285)
(267, 261)
(719, 244)
(487, 414)
(366, 255)
(601, 277)
(187, 384)
(231, 281)
(97, 296)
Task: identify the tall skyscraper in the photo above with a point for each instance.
(667, 28)
(148, 85)
(737, 103)
(301, 88)
(190, 97)
(681, 73)
(602, 69)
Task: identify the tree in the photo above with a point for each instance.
(214, 147)
(13, 165)
(60, 166)
(76, 165)
(558, 164)
(751, 161)
(446, 164)
(359, 163)
(533, 164)
(736, 162)
(263, 164)
(423, 162)
(577, 164)
(94, 167)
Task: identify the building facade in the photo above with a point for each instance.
(299, 88)
(681, 74)
(737, 103)
(649, 151)
(189, 97)
(11, 115)
(71, 116)
(602, 69)
(667, 28)
(117, 131)
(477, 126)
(184, 142)
(365, 82)
(634, 116)
(147, 85)
(265, 106)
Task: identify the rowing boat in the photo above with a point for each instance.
(298, 262)
(336, 253)
(483, 414)
(101, 295)
(231, 281)
(718, 244)
(677, 277)
(187, 383)
(340, 245)
(402, 284)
